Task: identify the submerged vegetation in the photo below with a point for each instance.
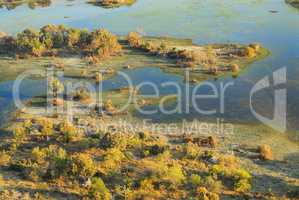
(112, 3)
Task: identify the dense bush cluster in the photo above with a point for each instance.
(16, 195)
(265, 152)
(12, 4)
(98, 44)
(188, 58)
(294, 3)
(228, 167)
(111, 3)
(125, 165)
(207, 57)
(251, 50)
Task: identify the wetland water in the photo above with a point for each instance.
(211, 21)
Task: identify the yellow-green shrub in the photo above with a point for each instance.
(82, 165)
(212, 183)
(19, 134)
(5, 158)
(242, 185)
(241, 174)
(51, 162)
(112, 160)
(192, 151)
(195, 180)
(250, 52)
(98, 190)
(134, 39)
(204, 194)
(174, 174)
(38, 155)
(68, 131)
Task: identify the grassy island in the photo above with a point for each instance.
(211, 59)
(112, 3)
(12, 4)
(96, 49)
(294, 3)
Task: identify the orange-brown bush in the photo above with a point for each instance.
(266, 152)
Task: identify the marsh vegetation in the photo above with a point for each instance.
(54, 158)
(211, 59)
(294, 3)
(111, 3)
(12, 4)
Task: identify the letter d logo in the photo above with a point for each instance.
(280, 100)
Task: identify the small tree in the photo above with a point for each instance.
(19, 134)
(73, 37)
(98, 190)
(249, 52)
(104, 44)
(54, 36)
(68, 131)
(56, 87)
(82, 165)
(28, 42)
(266, 152)
(134, 39)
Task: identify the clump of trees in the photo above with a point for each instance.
(228, 167)
(16, 195)
(54, 162)
(112, 3)
(186, 58)
(294, 3)
(103, 44)
(82, 166)
(68, 131)
(12, 4)
(134, 39)
(51, 39)
(251, 50)
(209, 57)
(28, 42)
